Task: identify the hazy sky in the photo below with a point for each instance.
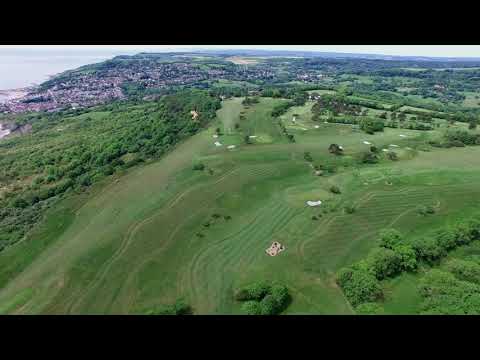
(414, 50)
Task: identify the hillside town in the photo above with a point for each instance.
(118, 79)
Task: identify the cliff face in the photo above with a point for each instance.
(8, 129)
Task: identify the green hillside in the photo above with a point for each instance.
(151, 234)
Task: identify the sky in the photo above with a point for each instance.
(405, 50)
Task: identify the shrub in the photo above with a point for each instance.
(425, 210)
(391, 155)
(335, 189)
(268, 305)
(199, 167)
(369, 158)
(257, 291)
(349, 209)
(307, 156)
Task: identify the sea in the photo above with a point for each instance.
(25, 67)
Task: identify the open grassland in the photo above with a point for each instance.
(150, 236)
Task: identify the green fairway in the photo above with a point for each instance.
(149, 237)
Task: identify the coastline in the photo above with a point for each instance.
(14, 94)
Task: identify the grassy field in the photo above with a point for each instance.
(149, 237)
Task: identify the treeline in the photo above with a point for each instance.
(394, 254)
(70, 153)
(456, 138)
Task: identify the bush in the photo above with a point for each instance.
(199, 167)
(255, 291)
(349, 209)
(426, 210)
(369, 158)
(359, 286)
(268, 305)
(307, 156)
(391, 155)
(335, 189)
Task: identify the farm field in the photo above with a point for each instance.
(164, 231)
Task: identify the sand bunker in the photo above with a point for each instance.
(317, 126)
(367, 143)
(252, 136)
(385, 150)
(215, 136)
(217, 143)
(401, 135)
(231, 147)
(393, 145)
(275, 249)
(314, 203)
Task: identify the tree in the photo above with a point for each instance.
(464, 270)
(383, 262)
(407, 255)
(247, 140)
(428, 249)
(472, 125)
(359, 286)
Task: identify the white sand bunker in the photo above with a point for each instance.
(252, 136)
(385, 150)
(367, 143)
(275, 249)
(215, 136)
(401, 135)
(393, 145)
(317, 126)
(231, 147)
(314, 203)
(217, 143)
